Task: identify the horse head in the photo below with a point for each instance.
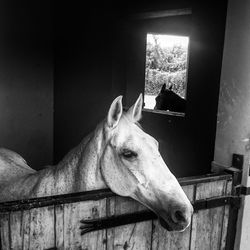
(131, 165)
(167, 99)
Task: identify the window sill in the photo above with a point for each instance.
(164, 112)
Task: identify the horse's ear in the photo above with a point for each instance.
(170, 87)
(115, 112)
(163, 88)
(135, 111)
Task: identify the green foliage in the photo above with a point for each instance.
(165, 65)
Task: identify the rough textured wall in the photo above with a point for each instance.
(233, 127)
(26, 80)
(233, 123)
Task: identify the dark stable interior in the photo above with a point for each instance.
(64, 62)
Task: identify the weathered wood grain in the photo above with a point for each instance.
(207, 224)
(26, 229)
(135, 236)
(162, 239)
(42, 228)
(75, 212)
(4, 227)
(59, 226)
(16, 230)
(208, 190)
(225, 219)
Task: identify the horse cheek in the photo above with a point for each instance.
(116, 176)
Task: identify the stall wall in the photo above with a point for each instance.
(90, 71)
(26, 80)
(186, 143)
(83, 66)
(59, 75)
(233, 126)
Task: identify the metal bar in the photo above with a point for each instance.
(114, 221)
(242, 190)
(234, 201)
(55, 200)
(233, 212)
(245, 190)
(120, 220)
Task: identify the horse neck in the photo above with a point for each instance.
(81, 166)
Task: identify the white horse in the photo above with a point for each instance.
(118, 155)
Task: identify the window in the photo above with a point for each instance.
(166, 73)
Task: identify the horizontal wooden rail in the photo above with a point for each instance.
(161, 14)
(93, 195)
(52, 216)
(204, 178)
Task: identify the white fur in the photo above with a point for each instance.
(98, 162)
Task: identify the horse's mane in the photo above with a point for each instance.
(139, 125)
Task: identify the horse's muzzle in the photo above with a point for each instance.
(177, 219)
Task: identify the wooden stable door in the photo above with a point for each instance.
(54, 222)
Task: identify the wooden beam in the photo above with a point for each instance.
(161, 14)
(93, 195)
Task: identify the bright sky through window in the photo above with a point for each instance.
(169, 40)
(166, 65)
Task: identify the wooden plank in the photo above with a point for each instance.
(162, 239)
(59, 226)
(73, 214)
(161, 14)
(46, 227)
(210, 189)
(42, 228)
(26, 229)
(4, 227)
(225, 218)
(207, 224)
(204, 178)
(16, 230)
(133, 236)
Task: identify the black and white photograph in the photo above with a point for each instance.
(125, 125)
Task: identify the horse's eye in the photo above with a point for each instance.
(128, 154)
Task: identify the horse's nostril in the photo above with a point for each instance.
(179, 217)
